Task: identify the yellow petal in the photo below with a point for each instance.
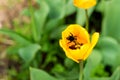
(68, 54)
(81, 44)
(75, 55)
(79, 53)
(84, 3)
(78, 31)
(95, 38)
(62, 44)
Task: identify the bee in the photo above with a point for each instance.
(71, 38)
(76, 45)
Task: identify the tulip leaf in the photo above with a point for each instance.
(38, 18)
(109, 49)
(71, 74)
(51, 24)
(56, 14)
(68, 63)
(57, 9)
(111, 24)
(57, 32)
(38, 74)
(92, 62)
(70, 7)
(41, 16)
(28, 53)
(116, 74)
(81, 18)
(15, 36)
(102, 78)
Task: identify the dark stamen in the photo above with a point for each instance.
(81, 44)
(72, 47)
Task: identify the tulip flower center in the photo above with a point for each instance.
(73, 43)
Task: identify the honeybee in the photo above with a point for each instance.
(76, 45)
(71, 38)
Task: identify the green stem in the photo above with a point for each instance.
(81, 70)
(87, 19)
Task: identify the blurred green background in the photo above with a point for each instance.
(30, 33)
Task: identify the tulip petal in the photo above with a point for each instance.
(68, 54)
(85, 4)
(78, 31)
(75, 55)
(78, 54)
(76, 42)
(95, 38)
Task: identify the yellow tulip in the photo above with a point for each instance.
(85, 4)
(76, 42)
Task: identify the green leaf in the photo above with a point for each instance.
(57, 9)
(116, 74)
(38, 19)
(111, 24)
(36, 74)
(52, 24)
(102, 78)
(69, 74)
(92, 62)
(41, 15)
(68, 63)
(58, 68)
(28, 53)
(56, 14)
(80, 17)
(15, 36)
(12, 50)
(56, 34)
(109, 49)
(70, 7)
